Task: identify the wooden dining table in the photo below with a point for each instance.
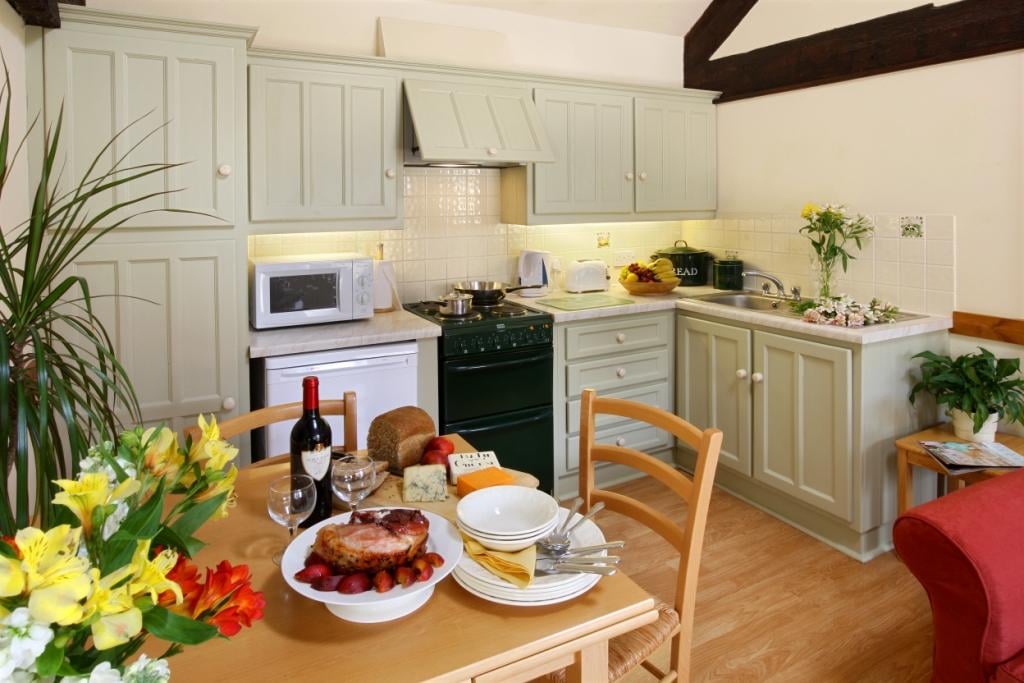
(455, 636)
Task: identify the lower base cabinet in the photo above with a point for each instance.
(808, 426)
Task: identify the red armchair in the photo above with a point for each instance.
(967, 550)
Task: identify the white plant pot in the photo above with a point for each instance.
(963, 426)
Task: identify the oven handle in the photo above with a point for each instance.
(500, 364)
(526, 420)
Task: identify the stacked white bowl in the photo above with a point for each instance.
(507, 518)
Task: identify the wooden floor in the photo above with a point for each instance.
(774, 604)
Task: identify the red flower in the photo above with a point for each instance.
(220, 585)
(186, 575)
(245, 607)
(226, 599)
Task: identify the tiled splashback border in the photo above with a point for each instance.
(917, 273)
(453, 232)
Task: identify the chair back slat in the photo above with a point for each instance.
(645, 514)
(666, 474)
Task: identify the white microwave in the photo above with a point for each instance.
(309, 289)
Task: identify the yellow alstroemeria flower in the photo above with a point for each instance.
(211, 432)
(55, 578)
(810, 208)
(92, 489)
(119, 619)
(224, 485)
(162, 456)
(150, 576)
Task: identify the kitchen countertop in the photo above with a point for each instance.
(681, 299)
(382, 328)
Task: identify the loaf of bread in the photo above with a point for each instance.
(399, 437)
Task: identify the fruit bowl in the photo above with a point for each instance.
(372, 607)
(650, 288)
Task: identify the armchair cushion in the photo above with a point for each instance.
(1011, 671)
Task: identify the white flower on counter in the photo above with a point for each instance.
(842, 311)
(22, 641)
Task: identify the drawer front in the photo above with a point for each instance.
(617, 336)
(614, 373)
(638, 435)
(656, 395)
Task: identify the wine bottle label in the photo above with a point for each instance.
(316, 462)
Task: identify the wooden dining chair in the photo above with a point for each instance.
(674, 621)
(287, 412)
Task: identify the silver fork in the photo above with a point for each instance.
(565, 568)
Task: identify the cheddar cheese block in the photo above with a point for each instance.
(481, 479)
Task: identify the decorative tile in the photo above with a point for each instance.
(912, 226)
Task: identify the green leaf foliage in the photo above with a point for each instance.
(175, 628)
(977, 383)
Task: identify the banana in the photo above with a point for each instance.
(632, 277)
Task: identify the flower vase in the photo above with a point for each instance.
(825, 280)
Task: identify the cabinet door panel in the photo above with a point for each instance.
(324, 145)
(591, 135)
(675, 155)
(174, 325)
(184, 94)
(710, 393)
(803, 421)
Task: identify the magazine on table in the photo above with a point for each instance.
(963, 457)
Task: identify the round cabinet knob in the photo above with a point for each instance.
(643, 175)
(621, 372)
(620, 337)
(228, 403)
(390, 173)
(757, 378)
(224, 170)
(629, 175)
(620, 442)
(741, 374)
(493, 151)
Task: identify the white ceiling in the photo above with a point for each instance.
(672, 17)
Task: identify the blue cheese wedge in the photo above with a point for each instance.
(462, 463)
(424, 484)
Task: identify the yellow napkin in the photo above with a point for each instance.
(516, 568)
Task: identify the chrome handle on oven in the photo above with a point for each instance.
(506, 425)
(499, 364)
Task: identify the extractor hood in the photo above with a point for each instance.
(458, 123)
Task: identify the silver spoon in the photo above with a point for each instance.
(556, 543)
(593, 511)
(562, 568)
(568, 518)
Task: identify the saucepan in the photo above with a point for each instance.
(488, 293)
(454, 304)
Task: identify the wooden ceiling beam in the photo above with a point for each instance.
(912, 38)
(41, 12)
(716, 24)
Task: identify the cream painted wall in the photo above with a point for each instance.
(349, 27)
(14, 206)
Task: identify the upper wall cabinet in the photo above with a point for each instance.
(675, 155)
(179, 100)
(323, 144)
(474, 122)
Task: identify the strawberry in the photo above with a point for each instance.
(405, 576)
(423, 569)
(328, 583)
(433, 559)
(312, 572)
(383, 581)
(355, 583)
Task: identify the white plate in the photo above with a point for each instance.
(510, 546)
(476, 533)
(507, 510)
(586, 534)
(529, 593)
(371, 606)
(528, 603)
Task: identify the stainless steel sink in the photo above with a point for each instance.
(748, 300)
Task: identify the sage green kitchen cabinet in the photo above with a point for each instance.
(803, 414)
(675, 155)
(175, 97)
(713, 369)
(592, 138)
(170, 308)
(323, 144)
(459, 121)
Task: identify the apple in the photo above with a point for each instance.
(435, 458)
(439, 443)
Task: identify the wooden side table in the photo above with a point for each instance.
(910, 454)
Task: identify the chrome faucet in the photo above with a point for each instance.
(780, 289)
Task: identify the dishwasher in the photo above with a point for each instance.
(383, 377)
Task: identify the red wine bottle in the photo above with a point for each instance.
(311, 450)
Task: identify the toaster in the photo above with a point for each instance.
(586, 275)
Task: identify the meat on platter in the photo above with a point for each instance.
(373, 540)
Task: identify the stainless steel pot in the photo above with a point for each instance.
(488, 293)
(455, 304)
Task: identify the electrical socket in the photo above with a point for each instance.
(623, 257)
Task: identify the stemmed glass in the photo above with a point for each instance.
(290, 500)
(353, 478)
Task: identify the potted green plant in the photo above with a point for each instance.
(830, 230)
(977, 389)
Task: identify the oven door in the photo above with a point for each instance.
(495, 384)
(522, 440)
(286, 294)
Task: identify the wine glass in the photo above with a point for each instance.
(290, 500)
(353, 478)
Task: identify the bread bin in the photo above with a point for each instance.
(691, 264)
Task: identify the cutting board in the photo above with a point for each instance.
(581, 302)
(390, 495)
